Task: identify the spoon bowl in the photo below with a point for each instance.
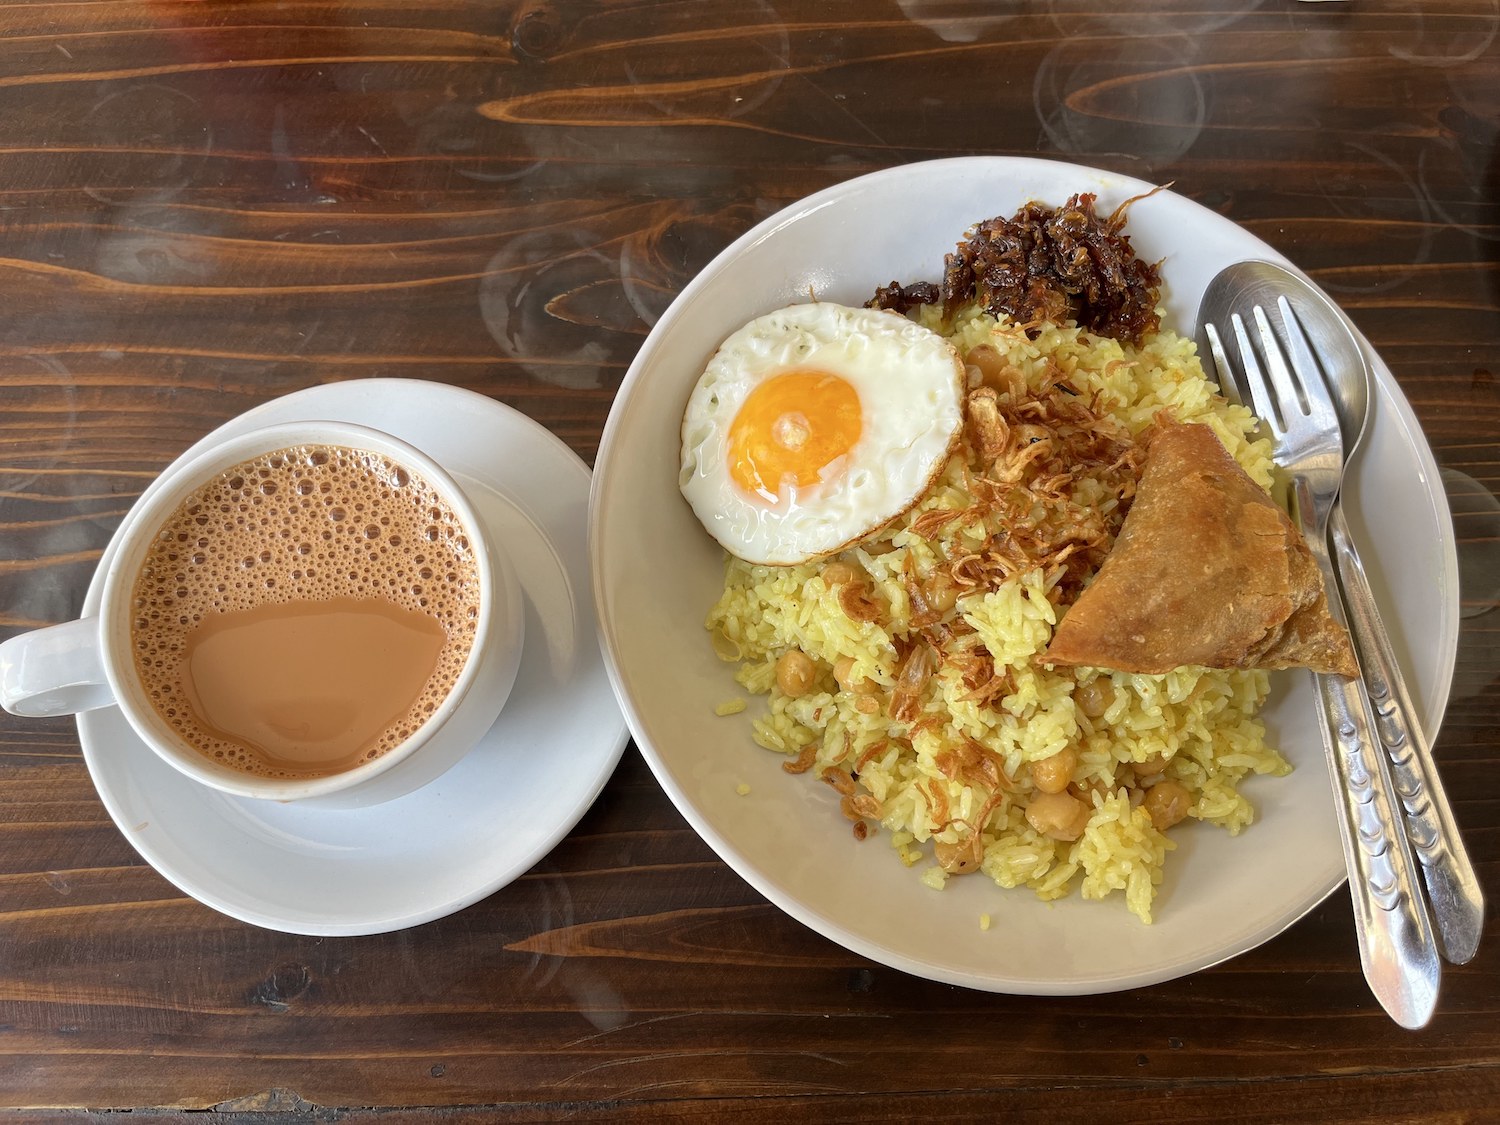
(1335, 347)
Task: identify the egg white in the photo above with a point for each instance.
(910, 383)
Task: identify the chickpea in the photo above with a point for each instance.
(1095, 697)
(795, 673)
(991, 364)
(942, 593)
(843, 672)
(842, 668)
(1052, 775)
(1168, 803)
(1151, 767)
(1058, 816)
(838, 573)
(960, 858)
(1086, 789)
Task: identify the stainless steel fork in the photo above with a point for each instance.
(1396, 942)
(1454, 895)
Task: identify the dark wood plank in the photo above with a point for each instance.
(1361, 1097)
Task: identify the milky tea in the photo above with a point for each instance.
(305, 611)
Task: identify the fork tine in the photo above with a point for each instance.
(1286, 390)
(1262, 398)
(1308, 370)
(1228, 376)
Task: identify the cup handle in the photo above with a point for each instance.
(54, 671)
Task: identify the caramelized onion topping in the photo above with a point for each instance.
(1046, 265)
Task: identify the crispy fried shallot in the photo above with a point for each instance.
(911, 681)
(858, 603)
(874, 750)
(866, 805)
(928, 724)
(840, 780)
(987, 685)
(804, 761)
(1026, 450)
(937, 803)
(974, 764)
(921, 612)
(988, 431)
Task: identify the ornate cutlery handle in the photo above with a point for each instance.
(1396, 944)
(1452, 888)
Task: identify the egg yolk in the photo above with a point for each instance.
(792, 426)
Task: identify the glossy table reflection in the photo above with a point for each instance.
(205, 205)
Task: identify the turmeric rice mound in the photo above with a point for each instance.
(920, 697)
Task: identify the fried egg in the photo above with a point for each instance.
(816, 425)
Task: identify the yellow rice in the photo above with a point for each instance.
(1202, 722)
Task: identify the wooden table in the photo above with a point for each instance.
(205, 205)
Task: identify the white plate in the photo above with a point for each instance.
(484, 822)
(1221, 895)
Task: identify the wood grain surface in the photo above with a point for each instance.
(207, 204)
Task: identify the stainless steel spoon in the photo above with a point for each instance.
(1453, 892)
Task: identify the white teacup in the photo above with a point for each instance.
(89, 663)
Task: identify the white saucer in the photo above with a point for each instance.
(484, 822)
